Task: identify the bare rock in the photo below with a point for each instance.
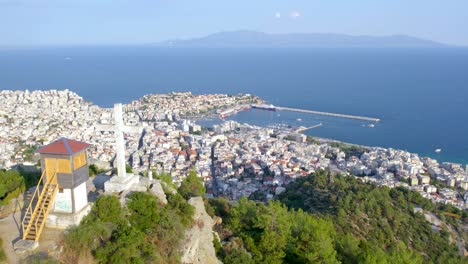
(22, 246)
(217, 220)
(156, 189)
(198, 247)
(168, 188)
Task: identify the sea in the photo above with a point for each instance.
(420, 95)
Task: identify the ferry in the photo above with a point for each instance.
(232, 111)
(269, 107)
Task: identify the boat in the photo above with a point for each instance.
(269, 107)
(299, 119)
(438, 150)
(371, 125)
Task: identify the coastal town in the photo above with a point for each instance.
(234, 160)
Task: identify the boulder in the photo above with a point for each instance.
(156, 189)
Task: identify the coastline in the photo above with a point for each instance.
(159, 139)
(213, 120)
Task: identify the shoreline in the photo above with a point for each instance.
(213, 116)
(332, 140)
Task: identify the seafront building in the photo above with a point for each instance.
(234, 159)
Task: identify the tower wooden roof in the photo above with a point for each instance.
(63, 146)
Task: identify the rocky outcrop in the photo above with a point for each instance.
(156, 189)
(198, 246)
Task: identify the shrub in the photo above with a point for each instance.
(144, 210)
(11, 185)
(107, 209)
(192, 186)
(81, 240)
(128, 245)
(95, 170)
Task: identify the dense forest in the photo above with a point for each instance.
(330, 219)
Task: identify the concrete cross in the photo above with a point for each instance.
(119, 141)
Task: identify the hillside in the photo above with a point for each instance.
(332, 219)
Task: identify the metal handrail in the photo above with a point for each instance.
(38, 204)
(29, 209)
(41, 225)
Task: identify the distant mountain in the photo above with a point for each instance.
(253, 39)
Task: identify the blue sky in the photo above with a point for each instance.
(71, 22)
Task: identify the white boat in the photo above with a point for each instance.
(299, 119)
(371, 125)
(438, 150)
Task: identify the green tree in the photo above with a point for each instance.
(312, 239)
(238, 256)
(192, 186)
(275, 227)
(182, 208)
(164, 177)
(400, 253)
(11, 185)
(107, 208)
(144, 210)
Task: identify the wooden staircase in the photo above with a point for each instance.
(36, 214)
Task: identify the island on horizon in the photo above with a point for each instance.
(255, 39)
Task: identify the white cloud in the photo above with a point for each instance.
(278, 15)
(295, 14)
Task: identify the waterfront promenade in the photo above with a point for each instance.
(372, 119)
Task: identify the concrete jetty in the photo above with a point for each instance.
(302, 129)
(372, 119)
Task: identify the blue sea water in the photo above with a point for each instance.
(420, 95)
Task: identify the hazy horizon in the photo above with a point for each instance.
(84, 45)
(123, 22)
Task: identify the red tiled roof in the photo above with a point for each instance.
(63, 146)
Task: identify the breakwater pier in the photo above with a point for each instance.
(302, 129)
(371, 119)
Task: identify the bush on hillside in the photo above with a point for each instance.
(192, 186)
(11, 185)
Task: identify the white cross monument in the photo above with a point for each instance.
(122, 181)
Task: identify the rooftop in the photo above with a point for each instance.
(63, 146)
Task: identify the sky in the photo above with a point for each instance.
(102, 22)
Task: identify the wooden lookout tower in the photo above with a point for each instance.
(62, 186)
